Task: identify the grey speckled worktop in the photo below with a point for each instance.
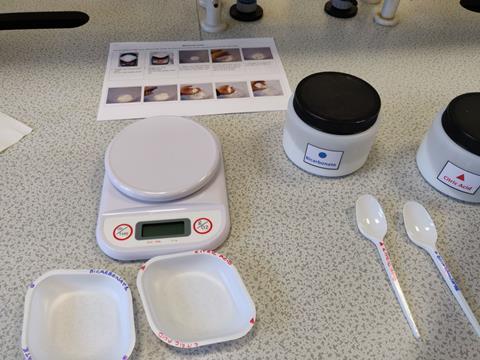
(318, 285)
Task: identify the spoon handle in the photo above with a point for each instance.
(442, 267)
(396, 287)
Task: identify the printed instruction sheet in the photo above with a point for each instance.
(193, 78)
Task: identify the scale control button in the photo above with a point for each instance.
(202, 226)
(122, 232)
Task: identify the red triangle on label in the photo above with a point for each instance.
(461, 177)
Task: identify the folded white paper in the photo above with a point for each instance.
(11, 131)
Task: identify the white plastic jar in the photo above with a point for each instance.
(449, 156)
(331, 123)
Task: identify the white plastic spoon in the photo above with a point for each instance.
(373, 225)
(421, 230)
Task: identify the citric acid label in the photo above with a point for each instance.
(322, 158)
(459, 179)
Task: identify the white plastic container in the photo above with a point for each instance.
(331, 123)
(78, 315)
(195, 298)
(449, 156)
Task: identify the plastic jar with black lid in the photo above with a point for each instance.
(331, 123)
(449, 156)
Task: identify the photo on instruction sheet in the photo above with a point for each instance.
(161, 58)
(225, 55)
(232, 90)
(193, 56)
(261, 53)
(266, 88)
(160, 93)
(128, 59)
(196, 91)
(124, 95)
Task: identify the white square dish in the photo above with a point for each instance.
(78, 315)
(195, 298)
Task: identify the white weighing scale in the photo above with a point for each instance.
(164, 190)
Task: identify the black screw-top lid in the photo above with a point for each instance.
(461, 121)
(336, 103)
(472, 5)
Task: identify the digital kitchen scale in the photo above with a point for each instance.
(164, 190)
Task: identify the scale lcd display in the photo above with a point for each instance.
(162, 229)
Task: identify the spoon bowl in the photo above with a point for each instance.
(419, 225)
(371, 219)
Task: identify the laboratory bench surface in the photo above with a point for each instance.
(318, 285)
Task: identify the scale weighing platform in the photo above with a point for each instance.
(164, 190)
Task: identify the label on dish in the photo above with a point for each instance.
(211, 252)
(459, 179)
(322, 158)
(177, 343)
(111, 274)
